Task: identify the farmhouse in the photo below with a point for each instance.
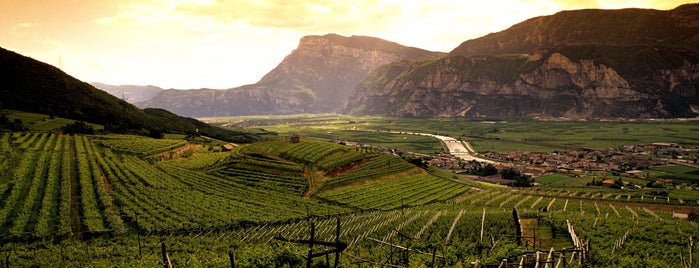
(228, 147)
(296, 138)
(609, 183)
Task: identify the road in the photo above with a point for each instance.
(459, 149)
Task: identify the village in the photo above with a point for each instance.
(629, 161)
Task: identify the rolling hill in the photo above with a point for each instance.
(33, 86)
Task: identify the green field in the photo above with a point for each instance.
(678, 172)
(553, 178)
(115, 200)
(41, 122)
(486, 135)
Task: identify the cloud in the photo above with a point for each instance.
(303, 16)
(222, 43)
(27, 25)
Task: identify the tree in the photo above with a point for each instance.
(155, 133)
(14, 125)
(79, 127)
(520, 180)
(477, 168)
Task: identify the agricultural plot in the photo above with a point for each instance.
(411, 190)
(496, 135)
(60, 184)
(451, 235)
(680, 173)
(382, 165)
(324, 155)
(76, 201)
(141, 146)
(42, 122)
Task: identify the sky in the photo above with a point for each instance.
(189, 44)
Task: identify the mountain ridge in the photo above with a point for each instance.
(553, 66)
(33, 86)
(633, 26)
(130, 93)
(548, 82)
(315, 77)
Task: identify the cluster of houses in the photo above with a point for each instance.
(629, 159)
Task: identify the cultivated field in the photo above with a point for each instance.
(108, 200)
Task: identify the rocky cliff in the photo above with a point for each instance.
(318, 76)
(630, 63)
(677, 27)
(563, 82)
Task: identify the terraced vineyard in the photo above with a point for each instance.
(411, 190)
(101, 201)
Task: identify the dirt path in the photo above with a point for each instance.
(174, 154)
(310, 179)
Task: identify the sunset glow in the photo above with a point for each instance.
(222, 44)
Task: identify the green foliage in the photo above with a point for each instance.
(481, 169)
(518, 180)
(78, 127)
(11, 125)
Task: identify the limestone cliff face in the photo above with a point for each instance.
(676, 27)
(546, 82)
(629, 63)
(328, 67)
(318, 76)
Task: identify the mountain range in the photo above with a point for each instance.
(316, 77)
(627, 63)
(129, 93)
(580, 64)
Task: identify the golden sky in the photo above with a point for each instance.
(226, 43)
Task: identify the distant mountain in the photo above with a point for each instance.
(678, 27)
(318, 76)
(129, 93)
(33, 86)
(629, 63)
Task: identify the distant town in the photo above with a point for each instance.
(626, 161)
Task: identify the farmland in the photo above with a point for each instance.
(103, 200)
(486, 134)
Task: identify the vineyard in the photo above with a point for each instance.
(101, 201)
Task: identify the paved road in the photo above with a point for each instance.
(456, 148)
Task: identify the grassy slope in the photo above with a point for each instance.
(34, 86)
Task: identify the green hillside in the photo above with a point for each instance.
(34, 86)
(105, 200)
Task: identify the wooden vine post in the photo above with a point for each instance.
(335, 246)
(166, 259)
